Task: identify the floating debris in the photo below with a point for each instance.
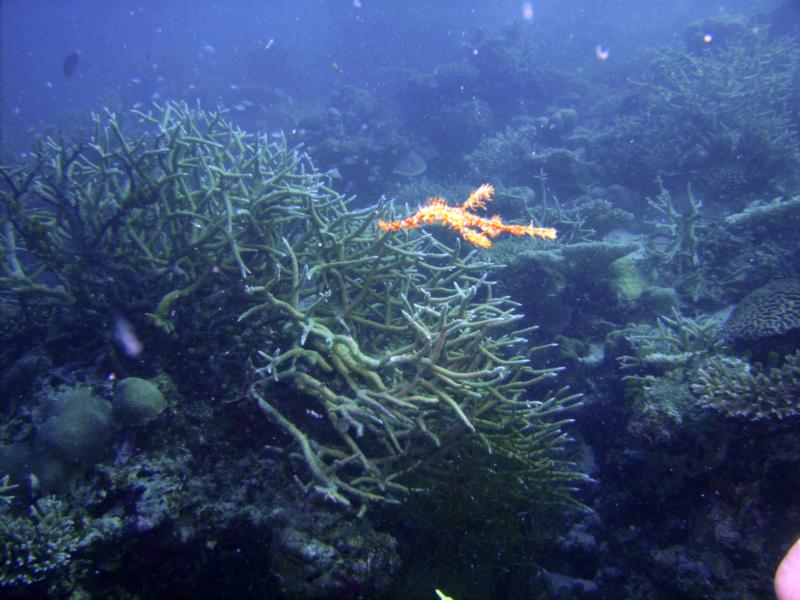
(333, 173)
(126, 337)
(70, 64)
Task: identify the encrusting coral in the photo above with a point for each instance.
(477, 230)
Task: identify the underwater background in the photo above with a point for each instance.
(371, 299)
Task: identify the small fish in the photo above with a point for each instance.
(70, 64)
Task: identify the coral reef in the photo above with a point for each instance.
(350, 402)
(770, 312)
(41, 550)
(718, 118)
(137, 401)
(723, 261)
(376, 352)
(738, 390)
(77, 427)
(521, 152)
(399, 359)
(577, 284)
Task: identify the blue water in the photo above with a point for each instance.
(140, 52)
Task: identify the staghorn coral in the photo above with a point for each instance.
(473, 228)
(402, 362)
(6, 488)
(738, 390)
(673, 247)
(660, 358)
(676, 342)
(376, 355)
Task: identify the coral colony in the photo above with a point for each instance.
(400, 349)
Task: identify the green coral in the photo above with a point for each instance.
(719, 117)
(744, 392)
(41, 548)
(77, 427)
(627, 280)
(137, 401)
(373, 353)
(6, 488)
(405, 350)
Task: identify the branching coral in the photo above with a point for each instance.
(41, 548)
(378, 353)
(477, 230)
(720, 118)
(37, 547)
(741, 391)
(6, 488)
(677, 342)
(405, 353)
(160, 217)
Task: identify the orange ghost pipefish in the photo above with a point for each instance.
(477, 230)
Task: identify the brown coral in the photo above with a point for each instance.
(771, 310)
